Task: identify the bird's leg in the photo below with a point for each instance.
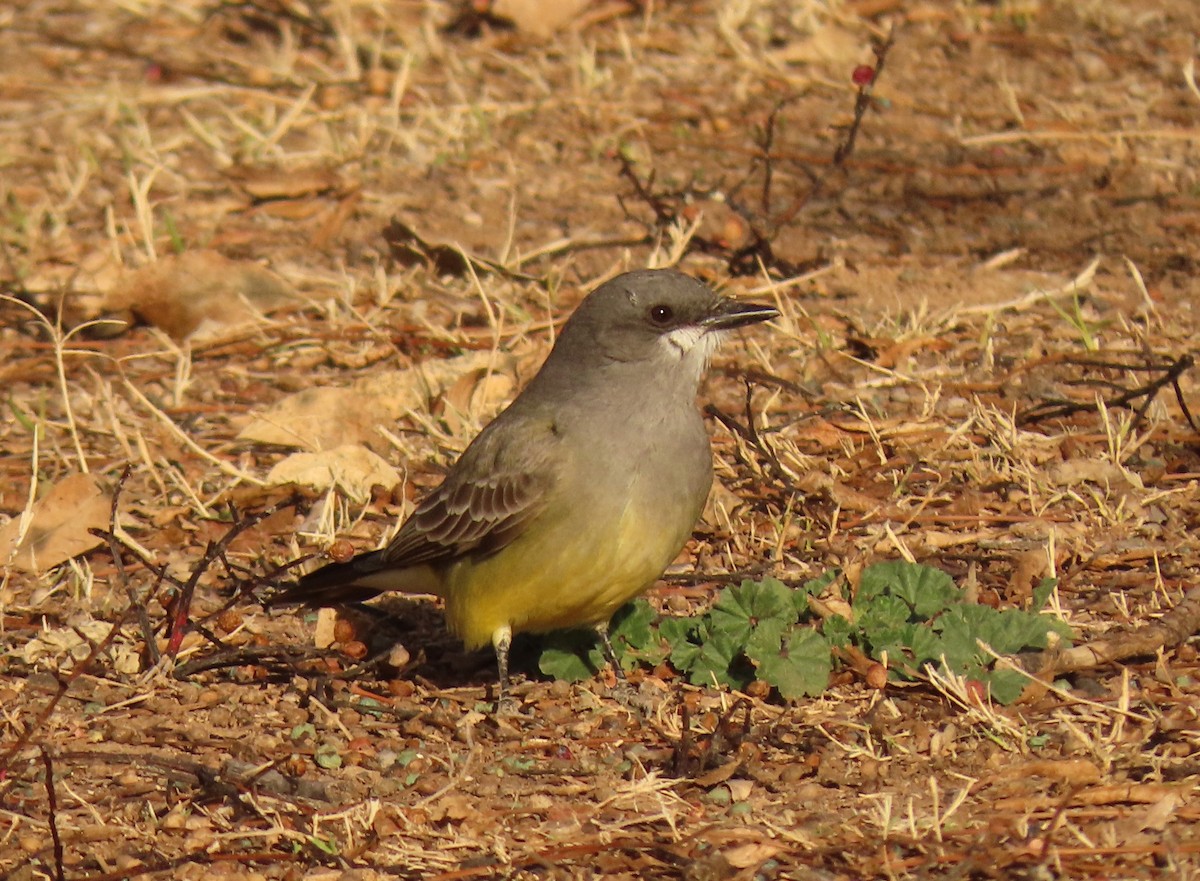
(502, 642)
(609, 654)
(624, 691)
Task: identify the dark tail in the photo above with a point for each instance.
(332, 585)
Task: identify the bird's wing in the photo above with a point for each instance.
(491, 494)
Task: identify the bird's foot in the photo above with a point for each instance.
(636, 699)
(507, 703)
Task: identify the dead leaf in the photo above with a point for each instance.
(850, 499)
(408, 247)
(740, 789)
(1119, 793)
(1097, 471)
(60, 524)
(452, 808)
(476, 391)
(351, 468)
(1031, 566)
(829, 43)
(1159, 814)
(279, 183)
(541, 18)
(722, 501)
(751, 854)
(816, 435)
(194, 293)
(938, 539)
(294, 210)
(324, 418)
(76, 641)
(719, 774)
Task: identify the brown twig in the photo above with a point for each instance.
(1056, 821)
(52, 817)
(1169, 377)
(749, 434)
(64, 685)
(843, 151)
(764, 225)
(688, 762)
(135, 601)
(681, 751)
(180, 606)
(288, 659)
(664, 212)
(225, 782)
(1172, 629)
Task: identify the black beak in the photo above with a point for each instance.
(729, 314)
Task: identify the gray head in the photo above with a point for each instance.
(655, 316)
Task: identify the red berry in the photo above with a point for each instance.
(863, 75)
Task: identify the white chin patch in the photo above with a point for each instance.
(694, 342)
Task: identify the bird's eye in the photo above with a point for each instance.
(661, 314)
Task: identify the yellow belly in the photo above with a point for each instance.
(572, 568)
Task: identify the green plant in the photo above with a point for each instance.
(906, 614)
(1074, 316)
(178, 245)
(915, 615)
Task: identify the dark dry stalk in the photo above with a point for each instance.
(179, 607)
(845, 149)
(1169, 377)
(114, 547)
(59, 873)
(664, 215)
(682, 750)
(1060, 811)
(288, 661)
(773, 467)
(1173, 628)
(64, 685)
(756, 440)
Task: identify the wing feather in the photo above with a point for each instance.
(500, 484)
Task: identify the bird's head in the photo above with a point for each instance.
(659, 317)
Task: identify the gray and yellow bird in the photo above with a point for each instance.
(574, 499)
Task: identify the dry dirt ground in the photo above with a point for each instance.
(983, 363)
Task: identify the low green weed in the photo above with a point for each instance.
(909, 614)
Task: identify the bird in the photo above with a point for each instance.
(578, 495)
